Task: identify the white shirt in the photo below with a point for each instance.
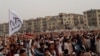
(98, 46)
(60, 48)
(16, 54)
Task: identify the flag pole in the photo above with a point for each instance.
(9, 22)
(4, 28)
(4, 36)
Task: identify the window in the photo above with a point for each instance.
(99, 15)
(68, 18)
(49, 24)
(89, 15)
(68, 14)
(67, 22)
(98, 10)
(53, 23)
(84, 16)
(64, 19)
(61, 15)
(99, 23)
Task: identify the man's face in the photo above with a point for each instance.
(42, 46)
(23, 54)
(12, 48)
(52, 46)
(46, 53)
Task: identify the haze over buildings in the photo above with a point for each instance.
(27, 9)
(61, 22)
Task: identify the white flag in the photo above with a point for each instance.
(15, 22)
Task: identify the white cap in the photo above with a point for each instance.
(16, 54)
(51, 42)
(21, 43)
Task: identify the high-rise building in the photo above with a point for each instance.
(54, 23)
(4, 28)
(28, 26)
(1, 29)
(71, 20)
(93, 18)
(38, 24)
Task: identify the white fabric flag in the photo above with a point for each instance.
(15, 22)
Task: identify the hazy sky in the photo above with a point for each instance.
(27, 9)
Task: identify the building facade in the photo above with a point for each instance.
(53, 23)
(1, 29)
(4, 28)
(71, 21)
(93, 18)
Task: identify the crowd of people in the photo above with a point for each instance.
(52, 44)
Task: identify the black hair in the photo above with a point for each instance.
(12, 45)
(22, 51)
(1, 49)
(32, 43)
(46, 49)
(41, 43)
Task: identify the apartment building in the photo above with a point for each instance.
(71, 20)
(93, 18)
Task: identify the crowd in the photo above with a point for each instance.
(51, 44)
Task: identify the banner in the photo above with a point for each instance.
(15, 22)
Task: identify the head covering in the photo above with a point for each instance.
(51, 42)
(16, 55)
